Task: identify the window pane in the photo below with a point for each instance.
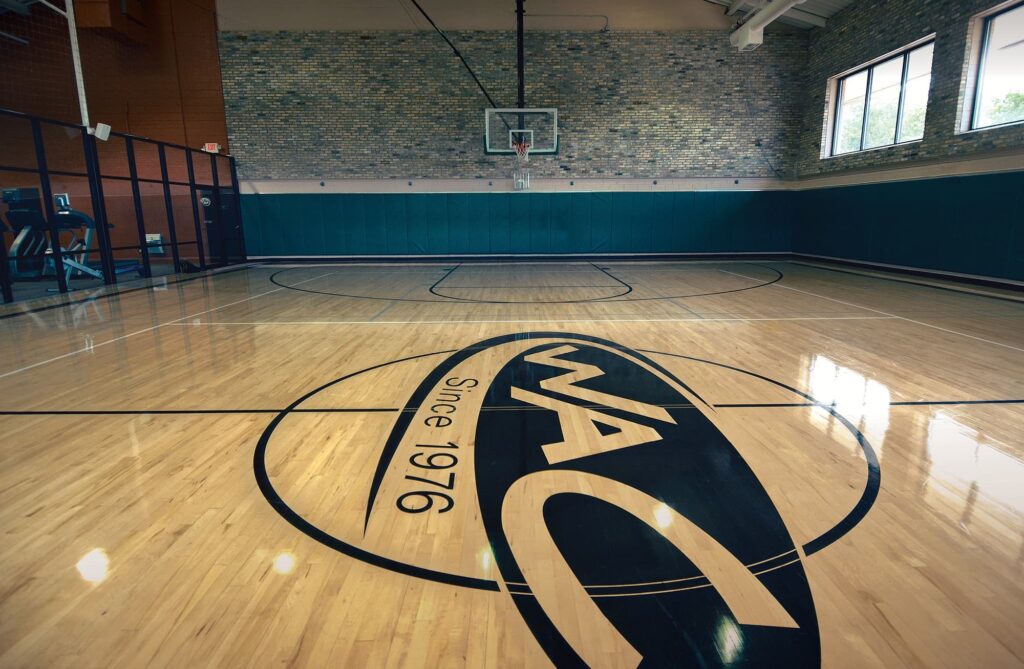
(1001, 92)
(851, 112)
(915, 99)
(885, 102)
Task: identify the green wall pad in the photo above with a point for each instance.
(517, 223)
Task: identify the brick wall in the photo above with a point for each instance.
(340, 104)
(641, 105)
(871, 28)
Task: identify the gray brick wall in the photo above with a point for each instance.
(396, 105)
(871, 28)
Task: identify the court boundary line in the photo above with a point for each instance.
(910, 403)
(1001, 283)
(952, 289)
(885, 313)
(585, 320)
(92, 347)
(182, 412)
(803, 259)
(116, 293)
(356, 410)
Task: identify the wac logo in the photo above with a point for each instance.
(588, 484)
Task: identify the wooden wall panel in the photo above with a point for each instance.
(167, 88)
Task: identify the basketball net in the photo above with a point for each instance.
(521, 173)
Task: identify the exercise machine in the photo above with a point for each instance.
(30, 255)
(26, 221)
(75, 255)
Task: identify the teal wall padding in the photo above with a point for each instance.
(517, 223)
(969, 225)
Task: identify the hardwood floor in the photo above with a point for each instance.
(515, 465)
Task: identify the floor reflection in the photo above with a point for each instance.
(965, 465)
(862, 401)
(94, 566)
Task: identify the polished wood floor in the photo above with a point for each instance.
(515, 465)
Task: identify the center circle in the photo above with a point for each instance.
(262, 476)
(444, 290)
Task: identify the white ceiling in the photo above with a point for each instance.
(471, 15)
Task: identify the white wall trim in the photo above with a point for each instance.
(994, 163)
(1010, 160)
(503, 185)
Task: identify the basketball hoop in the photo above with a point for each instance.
(522, 150)
(521, 173)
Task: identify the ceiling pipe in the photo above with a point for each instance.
(750, 35)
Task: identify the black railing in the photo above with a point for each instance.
(80, 212)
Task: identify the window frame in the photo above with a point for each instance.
(983, 29)
(869, 67)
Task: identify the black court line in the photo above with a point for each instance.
(262, 477)
(458, 300)
(578, 285)
(183, 412)
(117, 293)
(434, 291)
(629, 288)
(436, 283)
(270, 494)
(214, 412)
(922, 403)
(949, 289)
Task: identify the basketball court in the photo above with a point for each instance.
(667, 458)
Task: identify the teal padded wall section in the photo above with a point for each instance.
(518, 223)
(968, 225)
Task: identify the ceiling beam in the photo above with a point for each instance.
(735, 6)
(805, 17)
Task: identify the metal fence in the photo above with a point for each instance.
(78, 212)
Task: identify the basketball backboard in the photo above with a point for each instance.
(506, 127)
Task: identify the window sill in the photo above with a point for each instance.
(872, 150)
(990, 128)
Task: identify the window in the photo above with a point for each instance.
(999, 92)
(883, 103)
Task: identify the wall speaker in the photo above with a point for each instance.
(102, 131)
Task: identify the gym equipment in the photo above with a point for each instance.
(25, 218)
(30, 255)
(75, 255)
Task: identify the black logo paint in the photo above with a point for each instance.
(656, 598)
(573, 416)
